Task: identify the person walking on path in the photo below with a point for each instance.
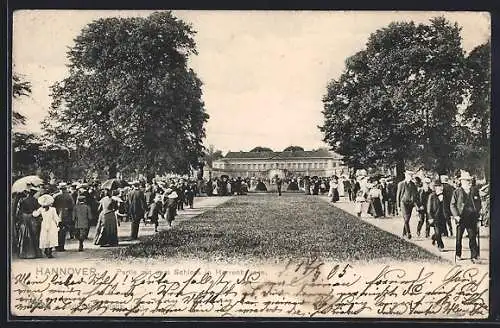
(171, 205)
(81, 217)
(137, 208)
(423, 195)
(436, 214)
(465, 208)
(333, 191)
(51, 223)
(447, 193)
(29, 227)
(406, 199)
(391, 197)
(63, 203)
(106, 233)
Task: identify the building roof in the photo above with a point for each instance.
(282, 155)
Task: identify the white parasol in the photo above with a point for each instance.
(23, 183)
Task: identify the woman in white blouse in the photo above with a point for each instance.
(50, 224)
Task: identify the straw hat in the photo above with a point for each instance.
(45, 200)
(117, 199)
(464, 175)
(62, 185)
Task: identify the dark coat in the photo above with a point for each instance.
(423, 196)
(81, 216)
(435, 210)
(458, 205)
(406, 193)
(137, 203)
(391, 191)
(447, 193)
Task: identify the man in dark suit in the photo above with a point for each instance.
(435, 213)
(63, 202)
(447, 193)
(423, 195)
(383, 189)
(391, 197)
(406, 199)
(137, 208)
(465, 208)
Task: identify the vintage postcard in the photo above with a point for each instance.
(290, 164)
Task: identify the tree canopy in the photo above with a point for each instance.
(397, 99)
(293, 148)
(20, 88)
(260, 149)
(130, 101)
(211, 154)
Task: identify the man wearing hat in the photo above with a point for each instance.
(81, 217)
(137, 208)
(64, 204)
(423, 195)
(447, 193)
(406, 199)
(436, 213)
(391, 196)
(465, 207)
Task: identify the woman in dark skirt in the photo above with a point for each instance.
(28, 233)
(171, 205)
(107, 227)
(375, 195)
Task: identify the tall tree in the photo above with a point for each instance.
(475, 133)
(130, 100)
(20, 88)
(211, 154)
(397, 99)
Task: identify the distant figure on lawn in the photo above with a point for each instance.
(279, 182)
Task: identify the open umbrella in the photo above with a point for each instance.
(114, 184)
(23, 183)
(111, 184)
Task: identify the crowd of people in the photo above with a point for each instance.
(438, 201)
(46, 216)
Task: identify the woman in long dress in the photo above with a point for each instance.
(27, 239)
(51, 222)
(375, 195)
(333, 193)
(107, 226)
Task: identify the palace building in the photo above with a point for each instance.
(321, 163)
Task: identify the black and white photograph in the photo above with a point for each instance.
(270, 164)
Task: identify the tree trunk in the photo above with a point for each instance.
(112, 171)
(400, 169)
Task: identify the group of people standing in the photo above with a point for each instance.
(43, 220)
(438, 203)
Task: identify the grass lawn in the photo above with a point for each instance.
(267, 227)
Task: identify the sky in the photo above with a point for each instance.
(264, 73)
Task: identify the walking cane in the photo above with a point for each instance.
(478, 238)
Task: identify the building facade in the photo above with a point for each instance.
(321, 163)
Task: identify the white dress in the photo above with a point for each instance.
(49, 227)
